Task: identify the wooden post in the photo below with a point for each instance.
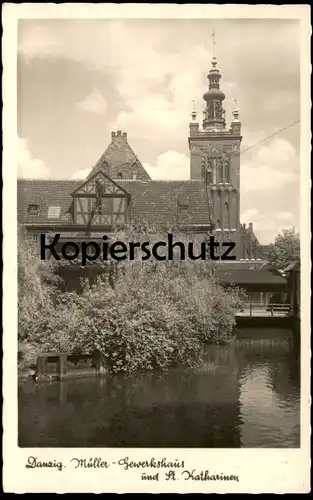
(41, 366)
(62, 365)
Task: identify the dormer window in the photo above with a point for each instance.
(182, 203)
(54, 212)
(33, 209)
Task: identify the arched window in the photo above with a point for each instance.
(226, 223)
(209, 176)
(105, 168)
(220, 175)
(226, 172)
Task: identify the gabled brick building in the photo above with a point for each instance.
(118, 190)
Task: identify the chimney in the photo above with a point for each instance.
(250, 227)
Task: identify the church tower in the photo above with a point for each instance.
(215, 157)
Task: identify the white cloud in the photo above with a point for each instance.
(93, 103)
(167, 113)
(29, 167)
(271, 168)
(267, 226)
(81, 174)
(39, 42)
(170, 166)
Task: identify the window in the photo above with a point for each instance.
(119, 175)
(220, 172)
(209, 176)
(214, 170)
(182, 203)
(54, 212)
(33, 209)
(105, 167)
(226, 172)
(226, 224)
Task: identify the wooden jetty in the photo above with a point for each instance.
(264, 316)
(65, 365)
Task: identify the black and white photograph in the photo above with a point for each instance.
(159, 242)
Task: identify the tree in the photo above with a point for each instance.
(37, 282)
(285, 249)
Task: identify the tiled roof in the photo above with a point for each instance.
(45, 193)
(250, 277)
(155, 202)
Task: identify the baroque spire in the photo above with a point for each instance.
(214, 113)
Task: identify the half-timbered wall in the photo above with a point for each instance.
(100, 201)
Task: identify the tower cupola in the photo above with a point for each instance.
(214, 114)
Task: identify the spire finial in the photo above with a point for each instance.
(213, 36)
(213, 48)
(194, 112)
(235, 109)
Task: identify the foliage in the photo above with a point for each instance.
(285, 249)
(37, 283)
(157, 315)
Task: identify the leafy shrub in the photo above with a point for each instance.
(157, 314)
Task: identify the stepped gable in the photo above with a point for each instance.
(119, 160)
(154, 202)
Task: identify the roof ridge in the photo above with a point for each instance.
(49, 180)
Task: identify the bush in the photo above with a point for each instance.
(157, 315)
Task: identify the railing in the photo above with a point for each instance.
(262, 310)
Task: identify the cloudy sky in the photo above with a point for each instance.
(80, 79)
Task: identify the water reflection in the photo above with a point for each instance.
(245, 395)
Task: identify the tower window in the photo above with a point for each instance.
(226, 172)
(209, 176)
(226, 222)
(220, 172)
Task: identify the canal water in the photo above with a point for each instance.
(246, 394)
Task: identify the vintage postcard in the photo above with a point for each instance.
(156, 200)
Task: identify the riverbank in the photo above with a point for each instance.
(77, 371)
(245, 394)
